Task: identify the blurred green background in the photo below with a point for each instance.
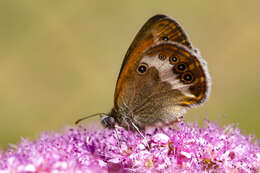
(59, 60)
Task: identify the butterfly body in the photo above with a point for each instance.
(161, 77)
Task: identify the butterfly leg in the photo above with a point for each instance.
(137, 129)
(116, 132)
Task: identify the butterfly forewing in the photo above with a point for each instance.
(159, 28)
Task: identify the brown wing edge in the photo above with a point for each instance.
(142, 33)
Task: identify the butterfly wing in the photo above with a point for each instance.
(160, 78)
(159, 28)
(177, 80)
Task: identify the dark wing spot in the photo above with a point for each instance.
(165, 38)
(161, 57)
(173, 60)
(142, 68)
(187, 77)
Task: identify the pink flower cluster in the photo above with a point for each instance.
(184, 148)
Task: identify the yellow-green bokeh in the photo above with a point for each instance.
(59, 60)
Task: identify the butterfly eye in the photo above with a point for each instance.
(187, 78)
(165, 38)
(142, 68)
(173, 60)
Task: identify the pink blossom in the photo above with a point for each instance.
(184, 148)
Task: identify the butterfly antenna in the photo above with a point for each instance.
(87, 117)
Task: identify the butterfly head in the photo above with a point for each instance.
(108, 121)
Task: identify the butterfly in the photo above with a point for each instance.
(161, 77)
